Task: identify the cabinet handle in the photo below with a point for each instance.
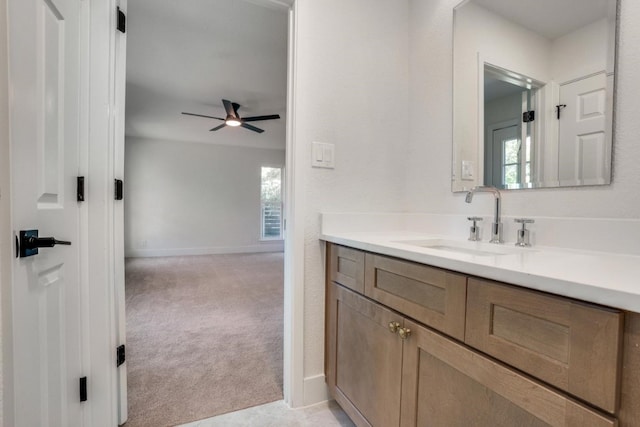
(404, 333)
(393, 327)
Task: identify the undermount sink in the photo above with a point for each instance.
(465, 247)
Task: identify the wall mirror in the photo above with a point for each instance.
(533, 87)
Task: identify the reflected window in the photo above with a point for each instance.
(510, 162)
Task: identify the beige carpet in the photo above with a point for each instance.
(204, 335)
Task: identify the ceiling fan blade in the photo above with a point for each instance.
(228, 106)
(201, 115)
(218, 127)
(236, 107)
(253, 128)
(258, 118)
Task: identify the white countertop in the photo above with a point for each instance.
(598, 277)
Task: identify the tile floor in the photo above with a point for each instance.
(278, 414)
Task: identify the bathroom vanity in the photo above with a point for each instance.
(430, 337)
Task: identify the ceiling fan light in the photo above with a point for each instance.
(233, 122)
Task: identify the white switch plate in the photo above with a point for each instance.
(322, 155)
(468, 170)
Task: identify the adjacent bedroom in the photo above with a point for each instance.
(204, 181)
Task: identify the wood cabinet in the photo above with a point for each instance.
(346, 266)
(364, 358)
(433, 296)
(448, 384)
(523, 358)
(569, 344)
(381, 379)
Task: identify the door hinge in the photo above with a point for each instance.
(120, 355)
(559, 108)
(83, 389)
(122, 21)
(80, 189)
(118, 190)
(528, 116)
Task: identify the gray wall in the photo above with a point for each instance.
(192, 198)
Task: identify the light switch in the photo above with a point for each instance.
(327, 155)
(318, 153)
(322, 155)
(468, 170)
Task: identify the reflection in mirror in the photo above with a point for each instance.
(533, 93)
(510, 103)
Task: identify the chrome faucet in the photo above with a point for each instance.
(496, 226)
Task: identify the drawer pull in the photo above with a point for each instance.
(404, 333)
(393, 327)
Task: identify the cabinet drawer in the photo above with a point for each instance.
(568, 344)
(346, 266)
(430, 295)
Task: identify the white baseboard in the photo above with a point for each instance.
(315, 390)
(263, 247)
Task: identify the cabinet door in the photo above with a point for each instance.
(447, 384)
(432, 296)
(364, 358)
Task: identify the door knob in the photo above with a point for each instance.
(404, 333)
(30, 242)
(393, 327)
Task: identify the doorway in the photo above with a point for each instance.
(193, 210)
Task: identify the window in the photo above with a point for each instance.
(271, 203)
(511, 162)
(516, 168)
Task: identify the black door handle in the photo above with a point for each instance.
(30, 242)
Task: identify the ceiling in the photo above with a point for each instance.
(550, 18)
(495, 88)
(187, 55)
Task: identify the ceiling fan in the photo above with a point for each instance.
(233, 118)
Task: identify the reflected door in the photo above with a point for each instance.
(584, 144)
(46, 317)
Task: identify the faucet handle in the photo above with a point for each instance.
(523, 233)
(524, 221)
(474, 230)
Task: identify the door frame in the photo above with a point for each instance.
(293, 360)
(294, 241)
(6, 249)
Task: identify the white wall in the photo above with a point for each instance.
(581, 52)
(483, 36)
(5, 224)
(428, 188)
(351, 89)
(186, 198)
(502, 109)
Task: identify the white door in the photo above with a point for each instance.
(583, 143)
(46, 290)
